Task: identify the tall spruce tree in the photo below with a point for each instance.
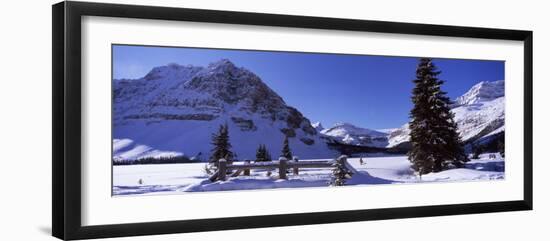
(286, 153)
(259, 153)
(500, 148)
(436, 144)
(262, 154)
(222, 147)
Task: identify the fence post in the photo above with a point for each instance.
(282, 168)
(247, 170)
(295, 169)
(342, 160)
(222, 169)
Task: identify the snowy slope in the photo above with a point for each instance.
(185, 178)
(126, 149)
(481, 92)
(479, 119)
(478, 113)
(399, 135)
(387, 131)
(353, 135)
(176, 109)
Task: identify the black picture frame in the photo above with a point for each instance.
(66, 158)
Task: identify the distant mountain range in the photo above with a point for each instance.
(479, 114)
(174, 109)
(352, 135)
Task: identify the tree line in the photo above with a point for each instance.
(222, 148)
(155, 160)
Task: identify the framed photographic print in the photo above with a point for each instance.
(169, 120)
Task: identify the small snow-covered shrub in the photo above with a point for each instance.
(340, 174)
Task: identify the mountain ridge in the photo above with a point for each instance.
(174, 109)
(177, 108)
(478, 112)
(350, 134)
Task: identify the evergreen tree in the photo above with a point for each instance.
(477, 150)
(222, 147)
(261, 153)
(436, 144)
(500, 147)
(339, 174)
(286, 153)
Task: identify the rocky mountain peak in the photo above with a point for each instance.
(318, 126)
(483, 91)
(222, 65)
(172, 71)
(198, 99)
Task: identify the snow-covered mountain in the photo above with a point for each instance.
(176, 109)
(349, 134)
(479, 113)
(399, 135)
(318, 126)
(481, 92)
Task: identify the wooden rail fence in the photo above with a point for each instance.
(282, 165)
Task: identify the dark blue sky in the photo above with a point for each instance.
(368, 91)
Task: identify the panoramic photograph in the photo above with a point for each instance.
(189, 120)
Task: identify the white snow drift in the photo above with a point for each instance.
(185, 178)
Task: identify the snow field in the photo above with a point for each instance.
(186, 178)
